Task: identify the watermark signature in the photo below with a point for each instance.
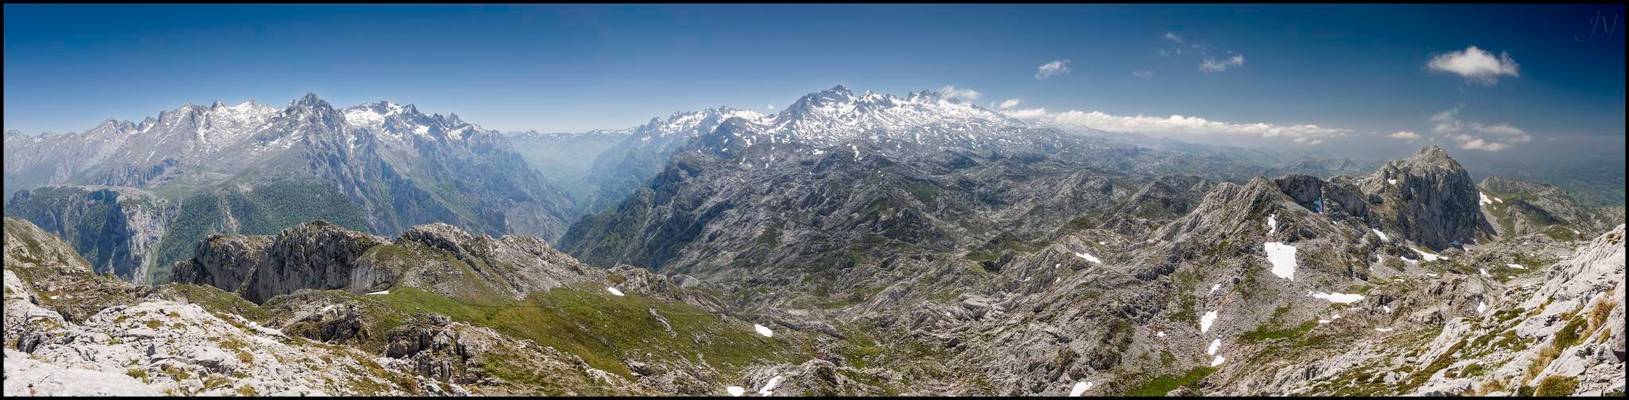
(1600, 25)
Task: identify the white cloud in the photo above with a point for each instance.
(1009, 103)
(1404, 135)
(1472, 135)
(1143, 74)
(1172, 37)
(1176, 125)
(1211, 65)
(1052, 69)
(962, 95)
(1032, 113)
(1476, 65)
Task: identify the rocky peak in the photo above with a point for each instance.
(438, 235)
(309, 100)
(1433, 200)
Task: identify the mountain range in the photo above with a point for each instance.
(850, 244)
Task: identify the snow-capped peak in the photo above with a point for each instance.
(837, 114)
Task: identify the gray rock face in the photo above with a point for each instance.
(1432, 202)
(116, 229)
(438, 257)
(314, 255)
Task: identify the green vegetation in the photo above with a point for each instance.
(602, 328)
(1160, 385)
(1267, 332)
(139, 374)
(1442, 361)
(216, 301)
(1556, 386)
(925, 192)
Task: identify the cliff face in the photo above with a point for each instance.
(116, 229)
(314, 255)
(438, 258)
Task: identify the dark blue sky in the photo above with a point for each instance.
(1355, 70)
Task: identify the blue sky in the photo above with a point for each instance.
(1359, 72)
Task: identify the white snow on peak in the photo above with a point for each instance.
(1282, 256)
(1217, 361)
(1089, 257)
(614, 291)
(1272, 224)
(1484, 201)
(1079, 389)
(762, 330)
(736, 391)
(1342, 298)
(1392, 182)
(1215, 344)
(1382, 235)
(769, 388)
(1206, 320)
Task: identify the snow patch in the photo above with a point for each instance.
(1481, 307)
(1159, 334)
(1382, 235)
(1515, 266)
(1217, 361)
(1342, 298)
(1214, 287)
(1382, 330)
(1272, 224)
(614, 291)
(1428, 256)
(379, 293)
(769, 388)
(1089, 257)
(736, 391)
(1484, 201)
(1215, 344)
(1282, 256)
(1484, 271)
(762, 330)
(1206, 320)
(1080, 388)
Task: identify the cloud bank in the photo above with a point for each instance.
(1175, 125)
(1472, 135)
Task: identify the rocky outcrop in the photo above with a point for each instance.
(435, 347)
(1429, 199)
(57, 279)
(314, 255)
(439, 258)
